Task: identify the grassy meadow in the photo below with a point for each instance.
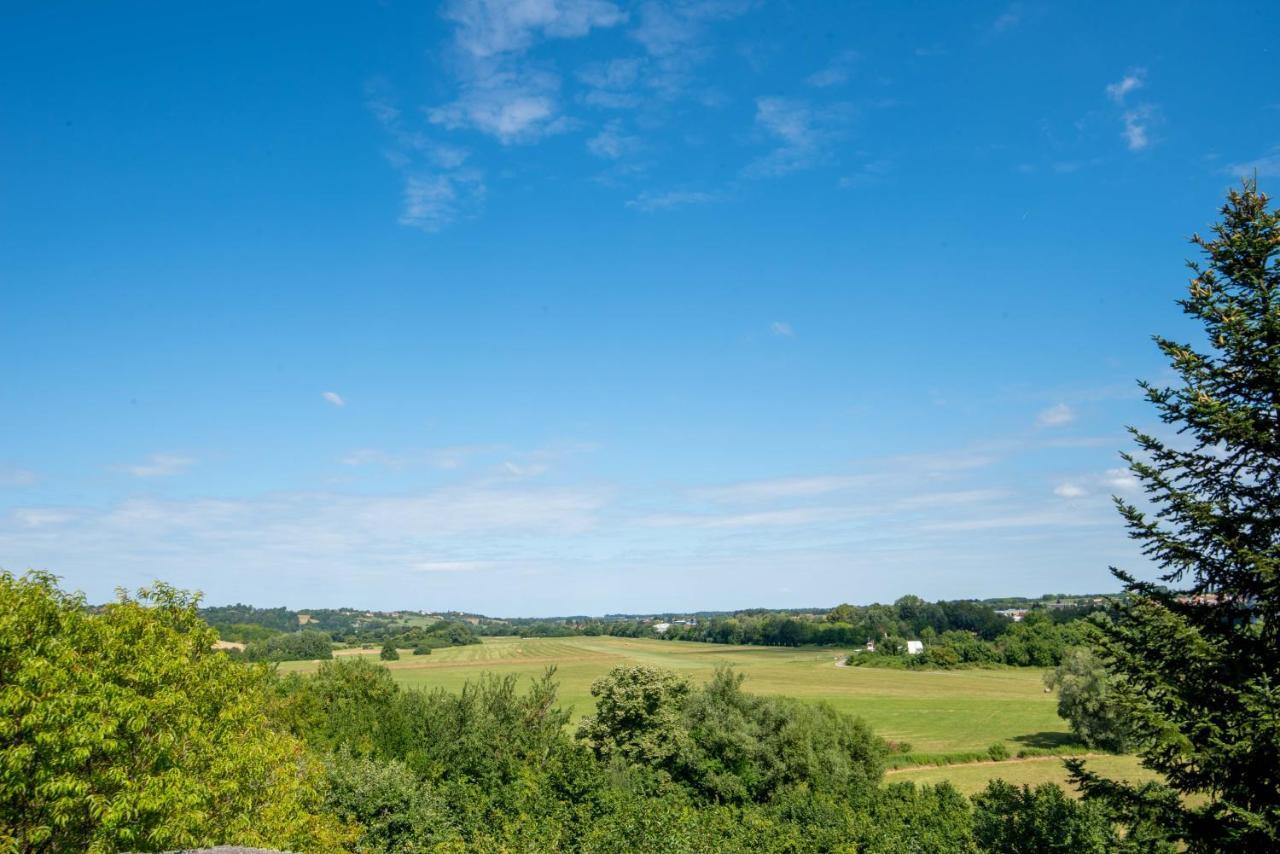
(936, 711)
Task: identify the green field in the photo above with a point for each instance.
(936, 711)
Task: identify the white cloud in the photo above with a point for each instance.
(1121, 480)
(158, 465)
(432, 202)
(790, 517)
(611, 143)
(782, 488)
(485, 28)
(650, 201)
(1070, 490)
(781, 329)
(837, 71)
(610, 84)
(1266, 166)
(667, 28)
(1131, 82)
(333, 397)
(802, 134)
(438, 190)
(501, 94)
(1056, 416)
(1136, 121)
(1016, 519)
(441, 458)
(1137, 126)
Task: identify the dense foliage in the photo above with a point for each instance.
(124, 730)
(1087, 700)
(1198, 666)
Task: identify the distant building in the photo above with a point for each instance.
(1015, 614)
(661, 628)
(915, 647)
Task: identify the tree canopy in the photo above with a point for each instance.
(1198, 656)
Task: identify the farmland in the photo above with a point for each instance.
(935, 711)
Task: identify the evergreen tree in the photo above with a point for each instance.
(1198, 656)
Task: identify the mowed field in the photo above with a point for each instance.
(936, 711)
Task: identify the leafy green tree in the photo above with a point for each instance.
(350, 703)
(745, 747)
(1199, 666)
(1012, 820)
(397, 813)
(1087, 700)
(389, 652)
(906, 819)
(638, 715)
(124, 730)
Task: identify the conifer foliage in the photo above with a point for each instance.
(1198, 656)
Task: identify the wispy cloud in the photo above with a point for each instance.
(1266, 166)
(1056, 416)
(333, 398)
(1137, 126)
(1136, 120)
(1111, 481)
(432, 202)
(611, 84)
(781, 329)
(1070, 490)
(667, 28)
(485, 28)
(801, 133)
(1131, 82)
(781, 488)
(836, 72)
(612, 143)
(1007, 20)
(649, 202)
(500, 94)
(439, 187)
(158, 465)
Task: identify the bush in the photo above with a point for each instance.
(389, 652)
(422, 649)
(998, 751)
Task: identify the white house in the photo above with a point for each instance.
(661, 628)
(914, 647)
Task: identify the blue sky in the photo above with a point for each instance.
(575, 306)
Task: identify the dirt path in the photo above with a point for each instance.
(1058, 757)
